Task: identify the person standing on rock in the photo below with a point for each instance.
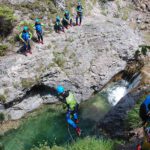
(26, 36)
(79, 10)
(68, 98)
(58, 26)
(145, 110)
(39, 32)
(67, 20)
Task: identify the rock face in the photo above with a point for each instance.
(113, 122)
(18, 1)
(82, 59)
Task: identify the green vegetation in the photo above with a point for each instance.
(24, 23)
(2, 117)
(143, 49)
(59, 59)
(2, 98)
(6, 20)
(88, 143)
(3, 50)
(133, 119)
(27, 83)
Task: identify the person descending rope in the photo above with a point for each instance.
(26, 36)
(39, 32)
(145, 110)
(58, 26)
(79, 10)
(67, 19)
(72, 107)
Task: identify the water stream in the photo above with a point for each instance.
(48, 123)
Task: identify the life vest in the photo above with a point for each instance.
(25, 36)
(146, 103)
(38, 27)
(71, 101)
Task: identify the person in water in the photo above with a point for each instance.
(26, 36)
(68, 98)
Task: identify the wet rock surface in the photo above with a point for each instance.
(114, 121)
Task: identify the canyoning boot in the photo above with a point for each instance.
(42, 42)
(39, 41)
(76, 24)
(78, 130)
(29, 52)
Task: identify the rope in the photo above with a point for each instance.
(70, 134)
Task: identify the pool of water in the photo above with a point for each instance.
(48, 123)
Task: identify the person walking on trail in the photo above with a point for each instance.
(38, 27)
(58, 26)
(67, 19)
(26, 36)
(79, 16)
(72, 107)
(145, 110)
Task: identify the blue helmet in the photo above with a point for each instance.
(25, 28)
(66, 12)
(60, 89)
(37, 20)
(57, 18)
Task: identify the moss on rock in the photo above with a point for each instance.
(6, 20)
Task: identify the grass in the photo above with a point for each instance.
(88, 143)
(2, 117)
(6, 20)
(3, 98)
(27, 83)
(59, 59)
(3, 50)
(133, 119)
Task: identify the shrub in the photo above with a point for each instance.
(3, 49)
(2, 117)
(133, 119)
(6, 20)
(59, 59)
(2, 98)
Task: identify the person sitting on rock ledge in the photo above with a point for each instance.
(68, 98)
(26, 36)
(58, 26)
(67, 19)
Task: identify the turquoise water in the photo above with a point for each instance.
(48, 124)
